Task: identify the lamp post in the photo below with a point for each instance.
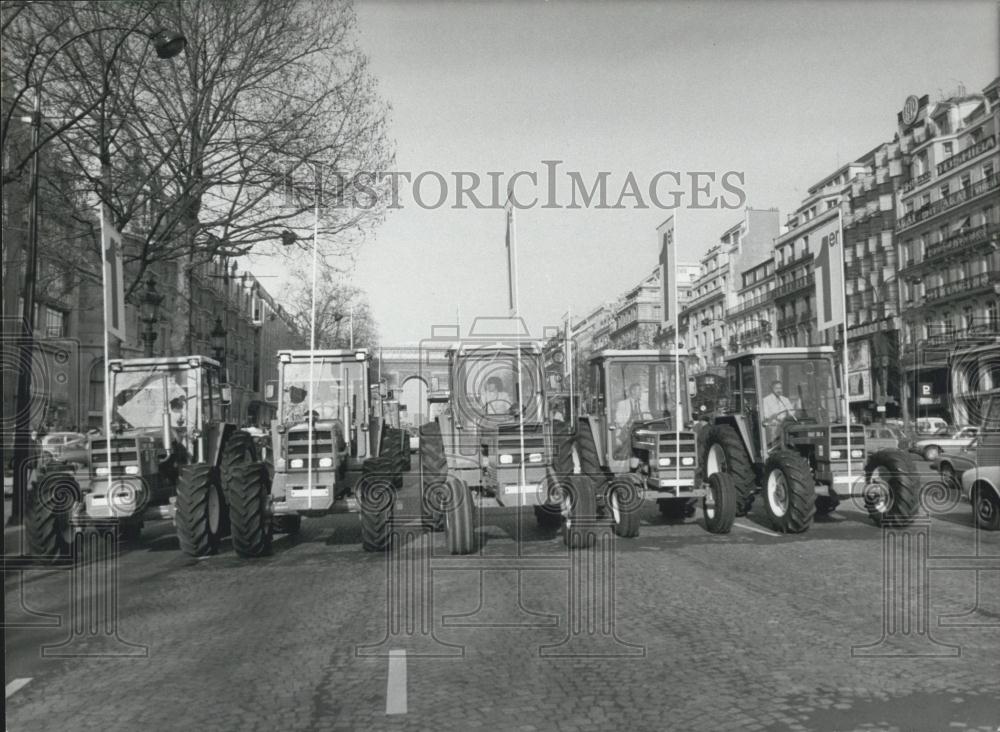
(149, 314)
(167, 44)
(218, 336)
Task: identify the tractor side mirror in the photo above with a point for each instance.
(271, 392)
(225, 394)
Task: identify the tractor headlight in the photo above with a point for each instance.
(534, 457)
(102, 471)
(665, 462)
(297, 463)
(687, 461)
(506, 459)
(857, 453)
(326, 462)
(835, 454)
(280, 463)
(131, 470)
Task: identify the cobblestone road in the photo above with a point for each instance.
(750, 631)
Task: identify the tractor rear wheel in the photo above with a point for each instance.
(237, 452)
(200, 509)
(392, 451)
(433, 472)
(459, 527)
(49, 506)
(789, 492)
(719, 506)
(248, 511)
(376, 493)
(723, 451)
(892, 490)
(579, 512)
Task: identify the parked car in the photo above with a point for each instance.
(66, 447)
(886, 436)
(932, 426)
(930, 447)
(951, 464)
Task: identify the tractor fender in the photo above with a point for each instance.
(739, 423)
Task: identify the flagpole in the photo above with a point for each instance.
(515, 306)
(312, 341)
(843, 314)
(106, 226)
(677, 359)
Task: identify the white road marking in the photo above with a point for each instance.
(395, 691)
(756, 528)
(15, 686)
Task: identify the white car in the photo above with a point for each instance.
(981, 486)
(930, 447)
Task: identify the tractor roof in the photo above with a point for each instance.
(333, 354)
(806, 351)
(145, 363)
(644, 354)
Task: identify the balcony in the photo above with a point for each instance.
(702, 299)
(806, 318)
(789, 322)
(948, 202)
(966, 155)
(792, 261)
(792, 287)
(964, 286)
(916, 182)
(750, 304)
(983, 234)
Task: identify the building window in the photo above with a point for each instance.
(55, 323)
(993, 314)
(944, 190)
(966, 181)
(948, 149)
(988, 169)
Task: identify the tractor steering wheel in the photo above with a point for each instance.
(486, 406)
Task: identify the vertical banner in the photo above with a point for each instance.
(114, 277)
(668, 275)
(829, 269)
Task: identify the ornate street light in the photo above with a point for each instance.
(149, 314)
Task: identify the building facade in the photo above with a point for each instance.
(637, 314)
(947, 234)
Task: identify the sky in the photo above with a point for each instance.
(781, 92)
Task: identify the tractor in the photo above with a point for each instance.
(170, 455)
(332, 453)
(636, 443)
(492, 444)
(785, 435)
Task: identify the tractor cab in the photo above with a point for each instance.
(323, 427)
(166, 412)
(789, 398)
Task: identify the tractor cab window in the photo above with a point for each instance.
(143, 398)
(318, 387)
(800, 390)
(497, 386)
(748, 388)
(211, 397)
(639, 392)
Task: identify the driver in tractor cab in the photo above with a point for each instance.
(776, 408)
(628, 411)
(495, 401)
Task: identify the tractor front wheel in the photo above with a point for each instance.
(723, 451)
(624, 499)
(892, 490)
(377, 500)
(789, 492)
(579, 512)
(719, 506)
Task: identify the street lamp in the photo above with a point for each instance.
(167, 45)
(149, 313)
(218, 336)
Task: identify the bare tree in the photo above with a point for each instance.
(341, 312)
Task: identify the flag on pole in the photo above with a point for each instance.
(829, 274)
(668, 275)
(509, 209)
(113, 277)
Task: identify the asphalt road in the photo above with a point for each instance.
(677, 629)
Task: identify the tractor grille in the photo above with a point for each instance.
(509, 443)
(298, 443)
(838, 436)
(124, 452)
(668, 443)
